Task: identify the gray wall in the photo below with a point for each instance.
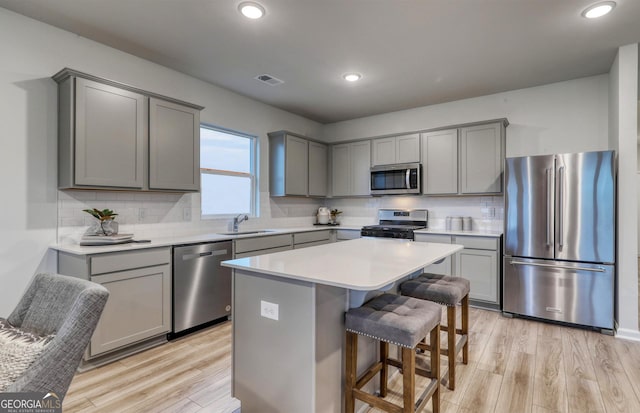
(31, 53)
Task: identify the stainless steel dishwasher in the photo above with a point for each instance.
(201, 286)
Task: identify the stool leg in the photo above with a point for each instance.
(465, 328)
(451, 343)
(384, 355)
(408, 379)
(435, 366)
(350, 371)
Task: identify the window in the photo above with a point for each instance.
(228, 172)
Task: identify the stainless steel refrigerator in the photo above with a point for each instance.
(559, 242)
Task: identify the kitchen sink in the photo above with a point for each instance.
(245, 232)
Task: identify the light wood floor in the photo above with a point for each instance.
(192, 374)
(515, 366)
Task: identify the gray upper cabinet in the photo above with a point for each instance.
(360, 168)
(384, 151)
(110, 134)
(481, 159)
(464, 161)
(440, 162)
(114, 136)
(174, 146)
(297, 165)
(351, 163)
(318, 171)
(340, 166)
(397, 149)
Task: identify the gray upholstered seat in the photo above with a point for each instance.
(438, 288)
(68, 308)
(395, 319)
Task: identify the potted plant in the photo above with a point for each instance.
(334, 216)
(107, 226)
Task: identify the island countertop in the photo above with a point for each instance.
(360, 264)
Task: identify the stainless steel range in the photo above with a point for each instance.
(397, 223)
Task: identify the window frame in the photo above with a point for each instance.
(252, 174)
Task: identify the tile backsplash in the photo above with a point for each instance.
(152, 214)
(486, 212)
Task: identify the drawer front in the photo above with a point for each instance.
(262, 243)
(442, 239)
(311, 244)
(478, 243)
(262, 252)
(315, 236)
(128, 260)
(347, 234)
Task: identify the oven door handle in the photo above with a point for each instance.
(407, 179)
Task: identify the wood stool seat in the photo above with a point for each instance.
(448, 291)
(403, 321)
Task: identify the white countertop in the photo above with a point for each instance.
(181, 240)
(359, 264)
(473, 233)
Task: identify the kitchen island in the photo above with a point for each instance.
(288, 317)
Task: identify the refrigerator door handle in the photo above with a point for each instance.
(561, 207)
(549, 205)
(563, 267)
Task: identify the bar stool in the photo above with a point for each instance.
(403, 321)
(449, 291)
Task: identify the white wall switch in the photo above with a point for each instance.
(269, 310)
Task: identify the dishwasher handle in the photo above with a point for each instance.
(187, 257)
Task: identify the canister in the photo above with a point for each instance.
(466, 223)
(456, 223)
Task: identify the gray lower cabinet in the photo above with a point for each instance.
(311, 238)
(114, 136)
(249, 247)
(479, 262)
(347, 234)
(139, 304)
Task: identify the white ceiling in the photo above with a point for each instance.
(411, 52)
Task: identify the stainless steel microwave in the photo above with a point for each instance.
(395, 179)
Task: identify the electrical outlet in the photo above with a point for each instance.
(142, 213)
(186, 214)
(269, 310)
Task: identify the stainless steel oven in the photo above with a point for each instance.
(395, 179)
(397, 223)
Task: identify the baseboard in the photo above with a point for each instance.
(628, 334)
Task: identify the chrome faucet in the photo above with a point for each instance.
(238, 219)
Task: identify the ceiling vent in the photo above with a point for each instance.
(269, 80)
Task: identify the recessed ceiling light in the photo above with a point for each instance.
(599, 9)
(251, 10)
(352, 77)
